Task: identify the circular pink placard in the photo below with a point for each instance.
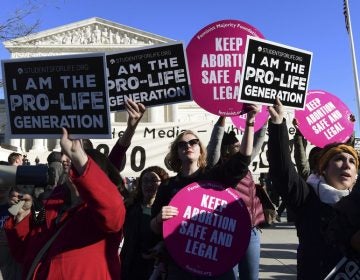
(260, 119)
(326, 119)
(215, 58)
(211, 233)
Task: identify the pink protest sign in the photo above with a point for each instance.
(215, 59)
(326, 119)
(260, 119)
(212, 230)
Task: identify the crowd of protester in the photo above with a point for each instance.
(85, 223)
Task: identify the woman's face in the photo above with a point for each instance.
(341, 171)
(66, 163)
(149, 184)
(231, 150)
(188, 148)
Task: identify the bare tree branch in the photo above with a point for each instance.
(15, 26)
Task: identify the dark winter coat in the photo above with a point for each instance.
(316, 257)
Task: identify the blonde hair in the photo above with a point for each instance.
(172, 160)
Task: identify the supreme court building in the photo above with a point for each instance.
(160, 124)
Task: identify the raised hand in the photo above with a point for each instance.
(20, 205)
(135, 112)
(295, 123)
(276, 112)
(168, 212)
(74, 150)
(253, 109)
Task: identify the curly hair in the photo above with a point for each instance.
(172, 160)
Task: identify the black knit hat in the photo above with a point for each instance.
(229, 138)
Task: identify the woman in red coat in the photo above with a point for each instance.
(91, 211)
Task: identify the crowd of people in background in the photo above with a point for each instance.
(86, 223)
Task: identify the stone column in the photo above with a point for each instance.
(156, 114)
(57, 145)
(15, 143)
(112, 117)
(38, 145)
(174, 113)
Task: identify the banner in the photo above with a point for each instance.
(151, 143)
(43, 94)
(216, 56)
(212, 230)
(274, 70)
(153, 76)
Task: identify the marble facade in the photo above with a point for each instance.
(91, 35)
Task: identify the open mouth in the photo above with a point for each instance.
(345, 175)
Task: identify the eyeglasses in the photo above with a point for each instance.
(191, 143)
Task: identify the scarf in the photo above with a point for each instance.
(326, 193)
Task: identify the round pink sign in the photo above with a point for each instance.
(326, 119)
(215, 58)
(260, 119)
(211, 232)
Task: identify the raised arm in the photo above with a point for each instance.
(301, 161)
(214, 146)
(74, 150)
(246, 147)
(290, 185)
(135, 112)
(94, 186)
(236, 166)
(259, 138)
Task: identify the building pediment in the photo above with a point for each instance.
(86, 35)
